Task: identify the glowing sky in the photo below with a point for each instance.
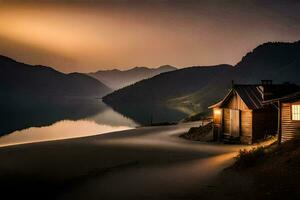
(77, 35)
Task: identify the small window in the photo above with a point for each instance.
(296, 112)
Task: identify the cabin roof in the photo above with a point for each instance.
(250, 94)
(288, 98)
(220, 103)
(259, 95)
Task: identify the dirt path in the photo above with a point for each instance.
(144, 163)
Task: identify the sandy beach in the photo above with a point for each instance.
(142, 163)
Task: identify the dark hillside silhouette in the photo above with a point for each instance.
(18, 79)
(278, 61)
(151, 95)
(117, 79)
(171, 84)
(192, 89)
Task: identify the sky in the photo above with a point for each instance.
(91, 35)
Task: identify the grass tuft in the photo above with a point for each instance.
(247, 158)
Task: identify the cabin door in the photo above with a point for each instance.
(235, 123)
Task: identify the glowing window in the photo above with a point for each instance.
(296, 112)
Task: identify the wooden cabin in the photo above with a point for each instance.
(241, 115)
(289, 116)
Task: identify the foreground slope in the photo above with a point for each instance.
(272, 173)
(18, 79)
(100, 167)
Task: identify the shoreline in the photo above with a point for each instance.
(49, 167)
(81, 136)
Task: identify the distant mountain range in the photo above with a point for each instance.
(154, 95)
(191, 90)
(117, 79)
(23, 80)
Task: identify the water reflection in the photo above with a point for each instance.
(51, 119)
(59, 130)
(147, 113)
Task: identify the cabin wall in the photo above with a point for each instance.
(264, 122)
(246, 127)
(235, 102)
(217, 122)
(226, 120)
(290, 129)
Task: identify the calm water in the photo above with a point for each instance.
(50, 119)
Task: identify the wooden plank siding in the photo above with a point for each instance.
(226, 120)
(236, 103)
(264, 122)
(290, 129)
(246, 127)
(258, 118)
(235, 123)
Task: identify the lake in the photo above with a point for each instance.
(47, 119)
(26, 120)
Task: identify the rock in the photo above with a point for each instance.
(198, 133)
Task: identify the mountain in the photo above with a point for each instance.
(117, 79)
(279, 61)
(20, 80)
(191, 90)
(152, 96)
